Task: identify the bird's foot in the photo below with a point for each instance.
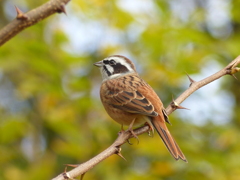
(130, 129)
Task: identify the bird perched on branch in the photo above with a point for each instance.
(129, 100)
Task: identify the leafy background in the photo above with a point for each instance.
(50, 109)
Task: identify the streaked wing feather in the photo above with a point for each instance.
(133, 102)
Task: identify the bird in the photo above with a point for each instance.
(130, 101)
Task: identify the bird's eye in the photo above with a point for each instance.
(112, 62)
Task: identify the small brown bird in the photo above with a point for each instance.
(128, 99)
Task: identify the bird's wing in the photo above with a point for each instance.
(125, 93)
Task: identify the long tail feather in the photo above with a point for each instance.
(167, 138)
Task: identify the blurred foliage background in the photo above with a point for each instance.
(51, 113)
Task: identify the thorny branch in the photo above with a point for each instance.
(230, 69)
(81, 169)
(24, 20)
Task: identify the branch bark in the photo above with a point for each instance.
(81, 169)
(24, 20)
(230, 69)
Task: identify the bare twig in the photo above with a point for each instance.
(24, 20)
(230, 69)
(113, 149)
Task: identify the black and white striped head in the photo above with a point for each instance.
(115, 66)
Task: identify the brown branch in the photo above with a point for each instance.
(81, 169)
(113, 149)
(24, 20)
(230, 69)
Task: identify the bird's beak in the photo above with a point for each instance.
(98, 64)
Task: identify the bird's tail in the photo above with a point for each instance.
(167, 138)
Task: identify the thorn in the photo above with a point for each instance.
(175, 105)
(62, 9)
(72, 165)
(81, 177)
(20, 14)
(119, 153)
(232, 70)
(181, 107)
(190, 79)
(233, 75)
